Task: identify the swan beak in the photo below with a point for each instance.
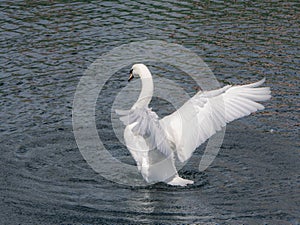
(130, 77)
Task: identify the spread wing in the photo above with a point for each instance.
(207, 112)
(147, 125)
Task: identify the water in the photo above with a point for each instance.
(47, 45)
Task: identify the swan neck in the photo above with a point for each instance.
(146, 92)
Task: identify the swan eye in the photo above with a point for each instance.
(131, 71)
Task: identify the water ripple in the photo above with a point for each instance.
(45, 46)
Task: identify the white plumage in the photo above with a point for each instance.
(153, 142)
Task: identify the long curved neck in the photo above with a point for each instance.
(146, 92)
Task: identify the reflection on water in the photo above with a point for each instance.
(47, 45)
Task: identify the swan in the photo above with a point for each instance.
(154, 142)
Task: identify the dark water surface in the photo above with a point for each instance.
(45, 47)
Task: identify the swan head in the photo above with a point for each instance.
(139, 70)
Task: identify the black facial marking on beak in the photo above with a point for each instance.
(130, 76)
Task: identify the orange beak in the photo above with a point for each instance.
(130, 77)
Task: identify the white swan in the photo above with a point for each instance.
(152, 141)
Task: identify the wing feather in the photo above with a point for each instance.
(207, 112)
(147, 125)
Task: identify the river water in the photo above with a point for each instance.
(47, 45)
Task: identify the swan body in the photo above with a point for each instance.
(153, 142)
